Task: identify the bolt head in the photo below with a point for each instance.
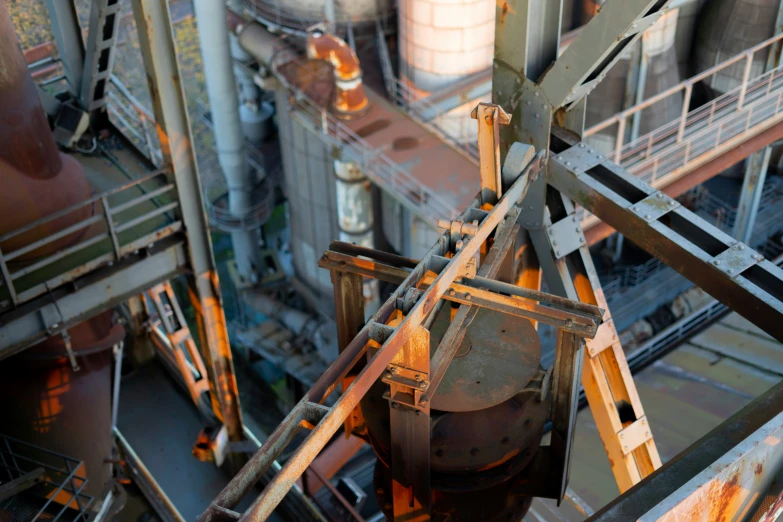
(467, 297)
(423, 385)
(423, 402)
(394, 405)
(452, 292)
(388, 375)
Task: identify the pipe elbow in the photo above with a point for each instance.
(350, 99)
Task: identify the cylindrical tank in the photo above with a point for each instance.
(60, 409)
(296, 15)
(487, 419)
(612, 94)
(443, 41)
(686, 30)
(409, 235)
(308, 167)
(727, 28)
(35, 178)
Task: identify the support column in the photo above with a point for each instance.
(156, 40)
(227, 129)
(752, 186)
(68, 35)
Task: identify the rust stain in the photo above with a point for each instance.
(504, 12)
(723, 496)
(759, 468)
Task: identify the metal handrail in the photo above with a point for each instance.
(113, 227)
(422, 200)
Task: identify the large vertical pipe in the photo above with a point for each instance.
(222, 91)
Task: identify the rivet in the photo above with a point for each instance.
(535, 93)
(527, 223)
(417, 377)
(423, 401)
(741, 247)
(646, 433)
(530, 207)
(622, 435)
(578, 229)
(581, 145)
(467, 297)
(554, 243)
(715, 262)
(568, 163)
(423, 385)
(529, 102)
(659, 195)
(569, 322)
(537, 116)
(672, 203)
(557, 253)
(647, 216)
(543, 106)
(560, 158)
(588, 328)
(388, 375)
(452, 292)
(730, 271)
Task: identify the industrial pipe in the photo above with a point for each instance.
(227, 129)
(349, 99)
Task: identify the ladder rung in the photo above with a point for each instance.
(179, 336)
(634, 435)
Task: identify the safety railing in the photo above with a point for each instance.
(51, 484)
(120, 223)
(134, 120)
(387, 174)
(706, 131)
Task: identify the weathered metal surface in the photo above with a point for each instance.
(680, 239)
(497, 358)
(716, 478)
(495, 504)
(392, 348)
(160, 61)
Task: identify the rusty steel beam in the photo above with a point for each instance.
(725, 268)
(719, 477)
(156, 40)
(700, 174)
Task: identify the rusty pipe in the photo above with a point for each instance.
(349, 99)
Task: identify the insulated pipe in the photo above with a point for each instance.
(355, 218)
(227, 129)
(349, 99)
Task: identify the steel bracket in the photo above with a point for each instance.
(580, 158)
(565, 236)
(736, 259)
(654, 206)
(645, 23)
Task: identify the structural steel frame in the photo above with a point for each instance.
(544, 97)
(399, 332)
